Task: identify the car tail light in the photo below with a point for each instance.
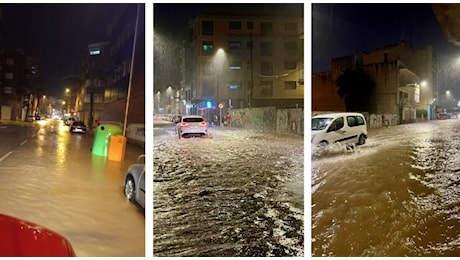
(184, 124)
(203, 124)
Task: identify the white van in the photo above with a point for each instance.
(344, 128)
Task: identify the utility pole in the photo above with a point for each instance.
(251, 88)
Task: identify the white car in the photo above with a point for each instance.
(345, 128)
(134, 188)
(192, 126)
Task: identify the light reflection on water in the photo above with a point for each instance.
(399, 197)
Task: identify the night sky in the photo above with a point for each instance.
(171, 19)
(340, 30)
(56, 34)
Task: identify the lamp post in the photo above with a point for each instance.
(169, 98)
(219, 64)
(67, 94)
(158, 101)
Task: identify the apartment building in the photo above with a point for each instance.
(244, 58)
(405, 81)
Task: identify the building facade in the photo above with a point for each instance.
(404, 79)
(243, 59)
(115, 72)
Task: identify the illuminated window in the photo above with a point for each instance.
(94, 52)
(234, 86)
(208, 48)
(236, 65)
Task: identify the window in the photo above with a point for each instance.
(8, 90)
(266, 68)
(290, 65)
(249, 45)
(290, 45)
(9, 75)
(234, 25)
(290, 85)
(290, 26)
(249, 25)
(208, 48)
(266, 28)
(355, 121)
(94, 52)
(266, 49)
(266, 88)
(9, 61)
(207, 27)
(336, 125)
(234, 45)
(235, 65)
(234, 85)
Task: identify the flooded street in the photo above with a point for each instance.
(49, 177)
(397, 195)
(236, 193)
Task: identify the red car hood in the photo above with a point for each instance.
(22, 238)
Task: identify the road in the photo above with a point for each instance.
(49, 177)
(397, 195)
(234, 193)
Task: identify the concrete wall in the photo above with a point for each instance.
(290, 120)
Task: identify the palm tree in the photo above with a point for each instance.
(355, 87)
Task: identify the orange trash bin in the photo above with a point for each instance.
(117, 147)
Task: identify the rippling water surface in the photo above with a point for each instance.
(235, 194)
(398, 195)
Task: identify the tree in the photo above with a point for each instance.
(355, 87)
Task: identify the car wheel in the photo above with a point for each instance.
(362, 139)
(130, 188)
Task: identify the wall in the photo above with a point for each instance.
(290, 120)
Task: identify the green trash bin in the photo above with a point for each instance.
(102, 138)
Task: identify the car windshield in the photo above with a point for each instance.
(79, 123)
(320, 123)
(193, 120)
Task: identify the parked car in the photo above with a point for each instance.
(192, 126)
(21, 238)
(69, 121)
(345, 128)
(176, 118)
(442, 116)
(134, 187)
(78, 127)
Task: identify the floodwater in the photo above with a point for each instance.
(50, 178)
(397, 195)
(236, 193)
